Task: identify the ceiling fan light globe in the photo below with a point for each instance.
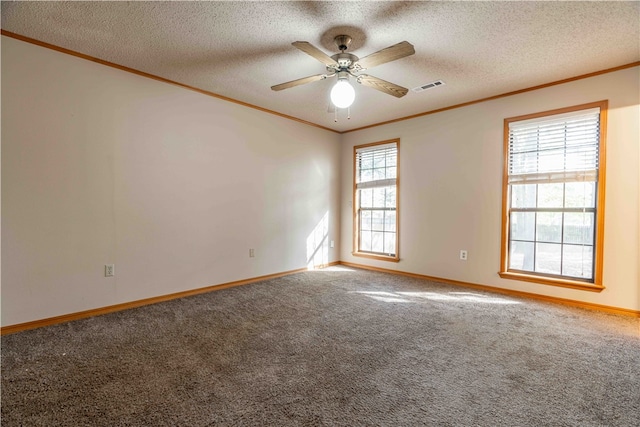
(343, 94)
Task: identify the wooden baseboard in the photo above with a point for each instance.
(572, 303)
(139, 303)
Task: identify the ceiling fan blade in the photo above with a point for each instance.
(382, 85)
(301, 81)
(311, 50)
(385, 55)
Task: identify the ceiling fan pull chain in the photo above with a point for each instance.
(348, 113)
(336, 113)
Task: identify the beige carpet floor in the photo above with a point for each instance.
(334, 347)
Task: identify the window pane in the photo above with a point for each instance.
(365, 241)
(549, 227)
(521, 256)
(392, 172)
(580, 194)
(523, 196)
(523, 225)
(366, 162)
(379, 160)
(377, 220)
(548, 258)
(365, 220)
(550, 195)
(366, 175)
(376, 241)
(379, 195)
(379, 173)
(366, 198)
(390, 243)
(578, 228)
(391, 197)
(392, 159)
(577, 261)
(390, 221)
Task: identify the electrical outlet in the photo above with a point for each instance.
(332, 244)
(252, 253)
(109, 270)
(463, 255)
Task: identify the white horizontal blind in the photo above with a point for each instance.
(376, 166)
(561, 149)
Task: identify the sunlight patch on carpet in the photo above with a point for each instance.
(435, 296)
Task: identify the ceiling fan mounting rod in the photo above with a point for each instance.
(343, 42)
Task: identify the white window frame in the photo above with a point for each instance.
(359, 184)
(588, 172)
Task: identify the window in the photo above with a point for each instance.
(376, 200)
(553, 197)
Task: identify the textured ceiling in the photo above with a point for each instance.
(240, 49)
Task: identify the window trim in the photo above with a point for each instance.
(596, 285)
(356, 228)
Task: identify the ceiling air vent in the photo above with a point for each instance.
(428, 86)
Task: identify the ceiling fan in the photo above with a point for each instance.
(345, 64)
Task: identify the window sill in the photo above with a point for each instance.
(544, 280)
(376, 257)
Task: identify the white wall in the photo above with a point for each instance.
(102, 166)
(450, 188)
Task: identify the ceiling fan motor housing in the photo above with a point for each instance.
(344, 60)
